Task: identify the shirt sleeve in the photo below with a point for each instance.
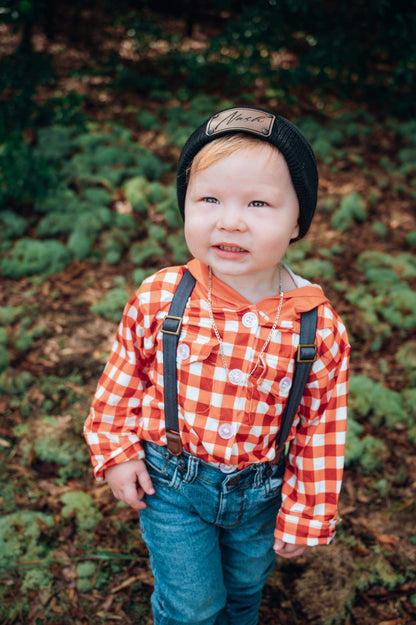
(112, 424)
(313, 476)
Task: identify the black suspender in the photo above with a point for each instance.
(171, 328)
(305, 356)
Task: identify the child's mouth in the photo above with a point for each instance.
(230, 251)
(231, 248)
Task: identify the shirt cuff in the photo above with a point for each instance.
(119, 456)
(302, 531)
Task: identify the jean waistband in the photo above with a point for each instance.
(190, 466)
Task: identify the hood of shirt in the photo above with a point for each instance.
(305, 297)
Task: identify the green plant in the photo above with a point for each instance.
(25, 175)
(13, 382)
(178, 245)
(371, 400)
(351, 210)
(54, 440)
(86, 572)
(4, 355)
(59, 392)
(142, 251)
(368, 453)
(82, 506)
(136, 190)
(22, 536)
(411, 238)
(12, 225)
(148, 120)
(112, 304)
(29, 257)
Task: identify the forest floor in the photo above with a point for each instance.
(367, 576)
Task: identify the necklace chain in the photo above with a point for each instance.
(217, 334)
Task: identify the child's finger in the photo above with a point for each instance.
(132, 497)
(145, 481)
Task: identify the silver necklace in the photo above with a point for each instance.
(217, 334)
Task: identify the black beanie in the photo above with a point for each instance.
(268, 127)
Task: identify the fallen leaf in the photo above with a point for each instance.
(386, 539)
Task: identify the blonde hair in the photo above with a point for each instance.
(223, 147)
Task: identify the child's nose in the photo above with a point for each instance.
(230, 217)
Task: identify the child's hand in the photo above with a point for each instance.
(129, 482)
(287, 550)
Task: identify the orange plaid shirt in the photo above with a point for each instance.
(223, 423)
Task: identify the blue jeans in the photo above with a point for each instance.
(210, 538)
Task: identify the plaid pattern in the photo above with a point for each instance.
(228, 423)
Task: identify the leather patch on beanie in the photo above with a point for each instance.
(244, 119)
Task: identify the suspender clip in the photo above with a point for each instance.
(174, 443)
(307, 352)
(172, 325)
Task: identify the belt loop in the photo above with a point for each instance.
(192, 469)
(258, 468)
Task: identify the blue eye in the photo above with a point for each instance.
(257, 203)
(211, 200)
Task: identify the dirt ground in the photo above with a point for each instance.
(368, 575)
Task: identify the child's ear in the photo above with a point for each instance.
(295, 232)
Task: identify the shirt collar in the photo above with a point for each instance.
(303, 298)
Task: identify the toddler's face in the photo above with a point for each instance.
(240, 215)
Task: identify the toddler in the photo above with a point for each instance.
(217, 505)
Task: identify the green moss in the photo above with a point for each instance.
(379, 229)
(55, 223)
(144, 250)
(27, 335)
(136, 190)
(36, 579)
(9, 314)
(87, 227)
(319, 269)
(96, 196)
(374, 454)
(67, 453)
(411, 238)
(30, 257)
(85, 572)
(20, 536)
(156, 232)
(12, 225)
(13, 382)
(54, 440)
(351, 210)
(406, 355)
(157, 192)
(63, 199)
(369, 399)
(4, 354)
(82, 506)
(169, 209)
(113, 243)
(377, 570)
(297, 252)
(148, 120)
(180, 251)
(111, 306)
(140, 274)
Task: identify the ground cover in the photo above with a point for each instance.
(101, 215)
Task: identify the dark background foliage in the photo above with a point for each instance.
(96, 100)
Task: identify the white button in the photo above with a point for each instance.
(227, 468)
(183, 351)
(285, 384)
(250, 320)
(226, 430)
(236, 376)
